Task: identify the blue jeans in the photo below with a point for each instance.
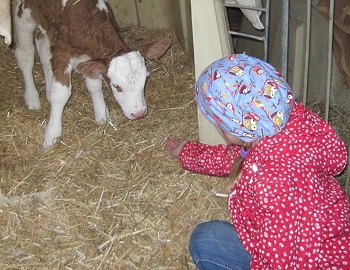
(214, 245)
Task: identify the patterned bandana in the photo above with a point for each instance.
(245, 97)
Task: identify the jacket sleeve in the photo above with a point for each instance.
(215, 160)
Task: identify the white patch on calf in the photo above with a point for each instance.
(95, 88)
(43, 48)
(76, 60)
(25, 50)
(64, 3)
(101, 5)
(59, 96)
(129, 72)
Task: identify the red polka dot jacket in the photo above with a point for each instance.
(288, 209)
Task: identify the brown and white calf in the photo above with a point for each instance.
(80, 35)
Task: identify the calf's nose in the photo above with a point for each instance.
(139, 114)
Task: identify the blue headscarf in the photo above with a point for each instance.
(245, 97)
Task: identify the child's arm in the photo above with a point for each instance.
(213, 160)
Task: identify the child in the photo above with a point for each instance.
(287, 209)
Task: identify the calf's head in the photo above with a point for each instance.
(126, 75)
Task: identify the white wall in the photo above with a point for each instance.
(210, 43)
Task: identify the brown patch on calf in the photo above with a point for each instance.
(80, 28)
(77, 29)
(20, 10)
(92, 68)
(59, 69)
(155, 49)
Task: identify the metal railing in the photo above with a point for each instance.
(284, 51)
(264, 39)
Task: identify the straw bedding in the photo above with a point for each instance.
(105, 196)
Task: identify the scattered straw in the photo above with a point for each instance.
(105, 196)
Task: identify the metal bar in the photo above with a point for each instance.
(264, 39)
(329, 60)
(307, 51)
(227, 23)
(285, 36)
(246, 35)
(137, 13)
(267, 27)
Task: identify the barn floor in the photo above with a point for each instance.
(104, 197)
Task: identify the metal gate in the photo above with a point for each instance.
(284, 49)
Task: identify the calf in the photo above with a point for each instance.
(80, 35)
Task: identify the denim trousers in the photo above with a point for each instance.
(215, 245)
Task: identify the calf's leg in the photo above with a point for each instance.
(95, 88)
(43, 48)
(59, 96)
(24, 27)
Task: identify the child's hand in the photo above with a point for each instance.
(174, 146)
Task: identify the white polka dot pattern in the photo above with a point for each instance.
(289, 210)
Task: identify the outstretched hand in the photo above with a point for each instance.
(174, 146)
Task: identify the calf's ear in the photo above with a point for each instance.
(155, 49)
(92, 68)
